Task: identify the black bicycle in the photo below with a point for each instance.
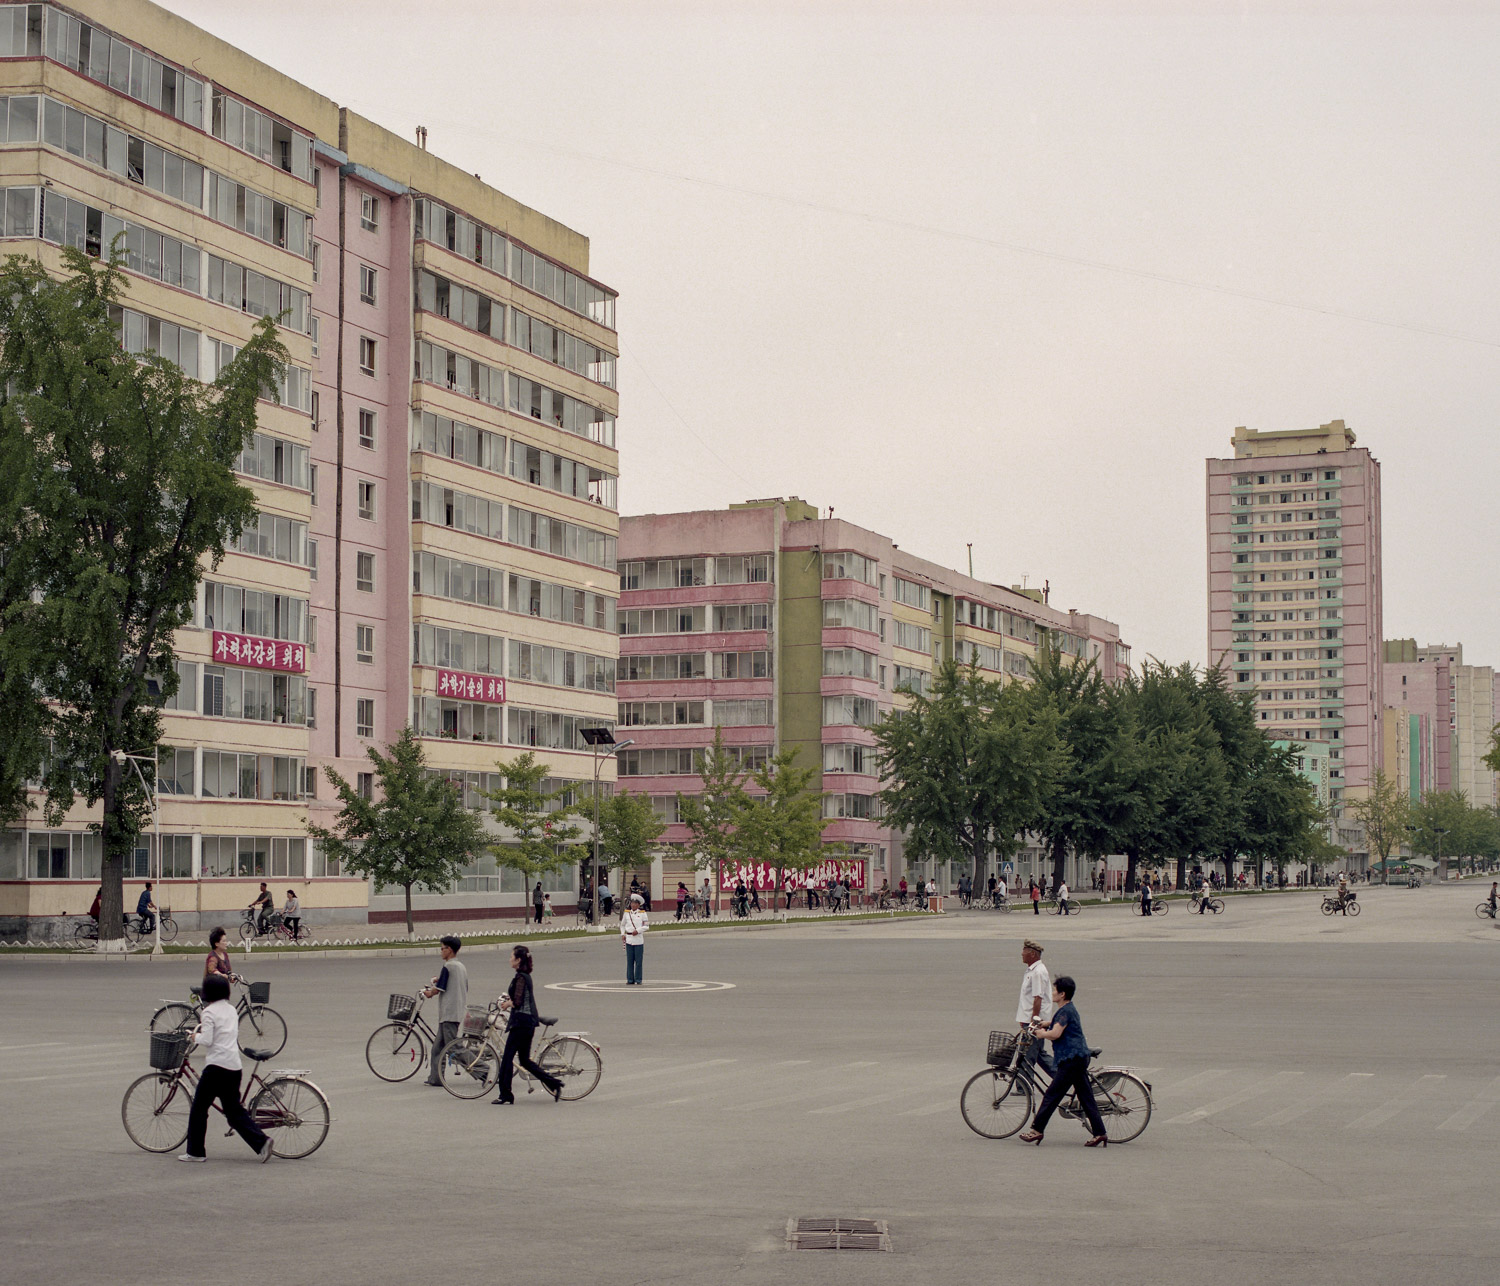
(1158, 907)
(260, 1025)
(999, 1100)
(1485, 911)
(275, 927)
(135, 927)
(397, 1051)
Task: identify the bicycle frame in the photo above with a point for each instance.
(1026, 1069)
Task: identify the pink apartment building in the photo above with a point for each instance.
(785, 628)
(1294, 589)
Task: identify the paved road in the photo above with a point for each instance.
(1327, 1103)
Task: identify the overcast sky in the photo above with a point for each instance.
(1001, 273)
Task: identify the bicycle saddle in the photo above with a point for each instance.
(546, 1022)
(258, 1055)
(196, 991)
(1093, 1053)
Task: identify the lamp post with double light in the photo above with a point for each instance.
(601, 743)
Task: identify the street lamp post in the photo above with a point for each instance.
(1439, 831)
(135, 762)
(601, 743)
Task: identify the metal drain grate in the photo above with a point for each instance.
(837, 1234)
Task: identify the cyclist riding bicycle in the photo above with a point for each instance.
(267, 905)
(145, 907)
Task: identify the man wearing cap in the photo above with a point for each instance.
(633, 926)
(1036, 1002)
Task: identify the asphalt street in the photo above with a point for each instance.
(1327, 1100)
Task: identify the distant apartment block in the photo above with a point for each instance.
(1294, 590)
(437, 480)
(1456, 703)
(787, 629)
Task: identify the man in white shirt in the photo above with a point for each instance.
(633, 926)
(1035, 1002)
(1062, 898)
(1001, 892)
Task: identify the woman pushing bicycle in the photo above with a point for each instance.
(1071, 1053)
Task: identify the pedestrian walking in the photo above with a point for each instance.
(633, 926)
(538, 901)
(754, 895)
(546, 906)
(1062, 898)
(218, 1032)
(1035, 1003)
(682, 897)
(452, 984)
(519, 1002)
(1036, 899)
(606, 898)
(1071, 1052)
(1146, 897)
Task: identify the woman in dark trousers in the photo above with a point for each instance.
(1070, 1051)
(219, 1033)
(520, 1001)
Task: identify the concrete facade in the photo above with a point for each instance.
(1294, 590)
(1460, 700)
(790, 629)
(437, 483)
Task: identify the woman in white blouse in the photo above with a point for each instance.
(219, 1034)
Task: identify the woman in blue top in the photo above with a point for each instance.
(1071, 1053)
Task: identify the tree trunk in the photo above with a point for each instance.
(1059, 861)
(1132, 865)
(1180, 879)
(112, 870)
(410, 930)
(978, 849)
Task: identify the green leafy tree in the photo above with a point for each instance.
(541, 829)
(782, 825)
(629, 829)
(1385, 813)
(1493, 758)
(969, 768)
(1280, 819)
(1440, 824)
(414, 831)
(1257, 780)
(116, 492)
(713, 814)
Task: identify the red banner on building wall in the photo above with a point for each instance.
(471, 687)
(262, 654)
(762, 875)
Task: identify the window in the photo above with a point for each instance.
(369, 211)
(367, 429)
(312, 558)
(365, 785)
(317, 261)
(437, 645)
(367, 500)
(444, 577)
(364, 644)
(367, 355)
(566, 539)
(534, 663)
(364, 717)
(364, 572)
(366, 284)
(847, 566)
(678, 665)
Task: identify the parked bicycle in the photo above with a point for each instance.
(260, 1025)
(1158, 907)
(999, 1100)
(1332, 905)
(134, 926)
(397, 1050)
(469, 1064)
(276, 927)
(1214, 904)
(283, 1102)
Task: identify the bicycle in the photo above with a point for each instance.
(1213, 904)
(1332, 904)
(1052, 906)
(266, 1027)
(286, 1105)
(397, 1050)
(275, 928)
(1158, 907)
(999, 1100)
(1485, 911)
(134, 927)
(469, 1064)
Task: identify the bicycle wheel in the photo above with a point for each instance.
(396, 1052)
(1003, 907)
(1482, 911)
(1328, 907)
(575, 1063)
(1137, 909)
(303, 934)
(172, 1017)
(995, 1104)
(262, 1028)
(469, 1067)
(132, 930)
(1159, 908)
(1354, 908)
(294, 1112)
(1124, 1103)
(155, 1112)
(86, 933)
(1216, 905)
(247, 931)
(168, 929)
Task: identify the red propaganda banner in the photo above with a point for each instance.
(471, 687)
(262, 654)
(762, 875)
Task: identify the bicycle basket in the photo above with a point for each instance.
(1003, 1046)
(168, 1049)
(400, 1007)
(260, 993)
(476, 1020)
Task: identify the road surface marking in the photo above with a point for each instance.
(856, 1104)
(1474, 1108)
(1300, 1109)
(1233, 1100)
(1393, 1107)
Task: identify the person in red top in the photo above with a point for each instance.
(217, 960)
(94, 906)
(901, 889)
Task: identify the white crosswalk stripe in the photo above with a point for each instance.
(1294, 1110)
(1474, 1108)
(1393, 1107)
(1278, 1081)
